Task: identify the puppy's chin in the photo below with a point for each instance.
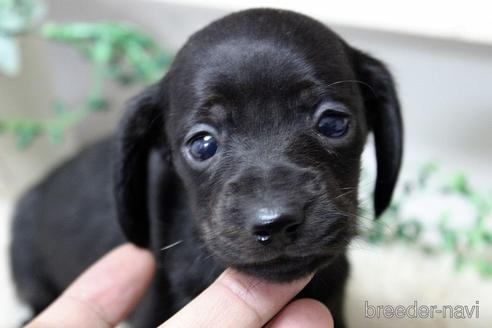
(283, 269)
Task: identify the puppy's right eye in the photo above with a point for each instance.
(203, 147)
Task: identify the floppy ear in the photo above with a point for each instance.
(383, 112)
(140, 131)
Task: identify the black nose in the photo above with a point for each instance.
(272, 224)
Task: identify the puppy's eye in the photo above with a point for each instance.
(203, 147)
(333, 125)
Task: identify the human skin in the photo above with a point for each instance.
(107, 292)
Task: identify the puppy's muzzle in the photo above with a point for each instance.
(270, 203)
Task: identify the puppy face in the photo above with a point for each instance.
(264, 119)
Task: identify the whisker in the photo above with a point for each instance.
(345, 194)
(171, 245)
(354, 81)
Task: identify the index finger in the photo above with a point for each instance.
(104, 294)
(236, 300)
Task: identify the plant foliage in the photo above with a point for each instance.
(469, 244)
(114, 51)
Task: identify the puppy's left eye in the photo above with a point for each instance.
(203, 147)
(333, 125)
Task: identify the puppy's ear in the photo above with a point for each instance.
(140, 131)
(383, 112)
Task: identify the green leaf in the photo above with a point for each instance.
(11, 22)
(409, 230)
(459, 183)
(102, 52)
(55, 134)
(485, 267)
(487, 237)
(98, 103)
(26, 131)
(20, 15)
(9, 56)
(69, 32)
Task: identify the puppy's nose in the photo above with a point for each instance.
(274, 224)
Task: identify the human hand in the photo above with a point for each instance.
(238, 300)
(105, 294)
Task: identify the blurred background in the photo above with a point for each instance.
(67, 67)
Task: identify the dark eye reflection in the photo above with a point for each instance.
(203, 147)
(333, 125)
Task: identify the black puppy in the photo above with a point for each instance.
(247, 152)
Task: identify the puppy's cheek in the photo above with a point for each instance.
(218, 236)
(212, 239)
(225, 239)
(329, 226)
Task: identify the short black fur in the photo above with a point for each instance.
(257, 81)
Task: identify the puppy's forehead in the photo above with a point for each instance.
(259, 56)
(243, 67)
(242, 70)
